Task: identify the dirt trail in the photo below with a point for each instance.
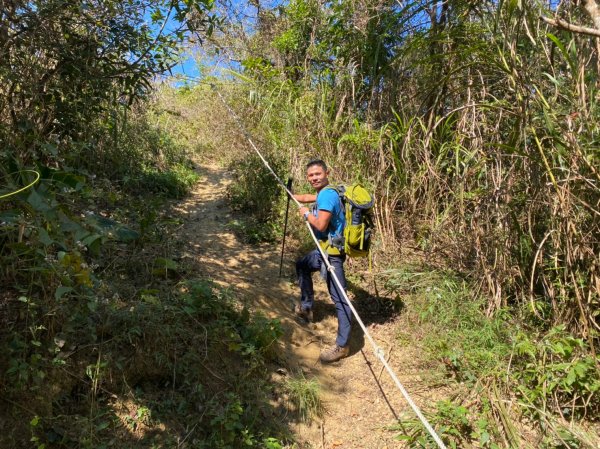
(360, 400)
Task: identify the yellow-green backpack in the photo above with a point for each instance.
(358, 203)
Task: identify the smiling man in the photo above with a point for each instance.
(327, 220)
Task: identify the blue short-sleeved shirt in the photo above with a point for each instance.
(329, 200)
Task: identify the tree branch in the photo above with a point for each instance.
(570, 27)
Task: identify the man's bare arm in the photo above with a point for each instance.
(320, 222)
(306, 197)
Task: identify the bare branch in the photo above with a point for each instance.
(570, 27)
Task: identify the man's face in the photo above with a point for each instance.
(317, 177)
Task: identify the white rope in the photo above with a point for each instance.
(379, 353)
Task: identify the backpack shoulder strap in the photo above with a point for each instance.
(340, 189)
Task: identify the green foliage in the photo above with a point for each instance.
(88, 255)
(299, 14)
(554, 372)
(260, 68)
(73, 122)
(144, 156)
(472, 344)
(175, 182)
(163, 355)
(557, 372)
(453, 423)
(55, 232)
(304, 394)
(255, 191)
(242, 332)
(297, 40)
(450, 421)
(82, 69)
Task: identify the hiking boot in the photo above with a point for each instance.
(304, 314)
(334, 353)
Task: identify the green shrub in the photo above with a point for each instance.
(556, 372)
(174, 182)
(256, 192)
(170, 357)
(553, 373)
(454, 424)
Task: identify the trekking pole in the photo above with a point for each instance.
(287, 209)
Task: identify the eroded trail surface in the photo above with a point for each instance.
(361, 402)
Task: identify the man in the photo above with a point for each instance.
(327, 220)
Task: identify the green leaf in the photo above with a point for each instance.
(38, 203)
(52, 149)
(564, 52)
(151, 299)
(61, 291)
(484, 438)
(126, 235)
(112, 228)
(93, 242)
(554, 80)
(44, 237)
(68, 225)
(164, 263)
(10, 216)
(100, 223)
(71, 180)
(103, 425)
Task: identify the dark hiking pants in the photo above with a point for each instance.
(312, 262)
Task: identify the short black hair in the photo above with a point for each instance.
(320, 162)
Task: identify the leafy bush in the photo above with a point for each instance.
(557, 372)
(174, 182)
(455, 424)
(256, 192)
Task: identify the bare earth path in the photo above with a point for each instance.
(360, 400)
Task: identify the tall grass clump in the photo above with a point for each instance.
(504, 170)
(304, 395)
